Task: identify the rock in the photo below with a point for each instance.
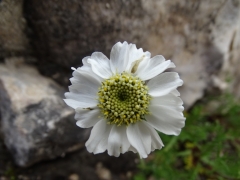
(4, 158)
(13, 40)
(201, 37)
(64, 32)
(36, 123)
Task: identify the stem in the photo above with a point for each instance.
(142, 162)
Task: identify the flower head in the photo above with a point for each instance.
(126, 99)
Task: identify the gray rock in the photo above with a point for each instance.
(13, 40)
(201, 37)
(36, 123)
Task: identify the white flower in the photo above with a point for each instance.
(125, 99)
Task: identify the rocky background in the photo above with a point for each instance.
(41, 40)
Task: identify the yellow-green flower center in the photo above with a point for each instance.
(123, 99)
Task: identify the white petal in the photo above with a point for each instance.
(175, 92)
(86, 70)
(82, 98)
(156, 142)
(118, 141)
(150, 68)
(131, 148)
(86, 66)
(100, 65)
(166, 120)
(136, 55)
(167, 100)
(119, 57)
(84, 103)
(98, 140)
(140, 138)
(83, 89)
(84, 61)
(84, 86)
(87, 117)
(86, 77)
(144, 64)
(123, 55)
(178, 108)
(164, 84)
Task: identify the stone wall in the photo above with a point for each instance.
(201, 37)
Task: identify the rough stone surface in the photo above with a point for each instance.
(13, 40)
(81, 164)
(36, 123)
(199, 36)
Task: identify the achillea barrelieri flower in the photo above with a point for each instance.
(126, 99)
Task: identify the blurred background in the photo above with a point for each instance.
(41, 40)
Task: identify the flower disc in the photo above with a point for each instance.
(123, 99)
